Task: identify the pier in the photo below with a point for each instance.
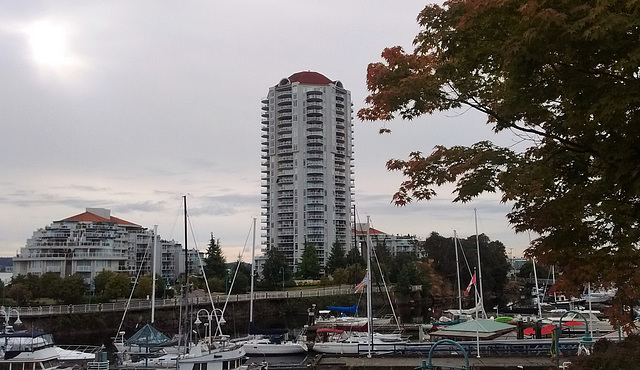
(144, 304)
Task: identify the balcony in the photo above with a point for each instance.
(314, 126)
(284, 94)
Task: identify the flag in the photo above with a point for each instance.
(362, 284)
(471, 283)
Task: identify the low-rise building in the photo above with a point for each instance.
(395, 244)
(93, 241)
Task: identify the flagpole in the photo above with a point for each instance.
(369, 282)
(455, 244)
(475, 214)
(477, 296)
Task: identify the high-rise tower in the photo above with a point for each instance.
(306, 164)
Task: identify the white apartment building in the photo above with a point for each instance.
(307, 154)
(395, 244)
(93, 241)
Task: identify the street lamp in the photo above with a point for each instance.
(282, 272)
(219, 319)
(7, 314)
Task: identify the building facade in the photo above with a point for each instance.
(307, 155)
(395, 244)
(93, 241)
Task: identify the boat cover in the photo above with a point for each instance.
(148, 336)
(352, 309)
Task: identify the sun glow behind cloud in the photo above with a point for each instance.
(49, 44)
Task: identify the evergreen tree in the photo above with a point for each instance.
(275, 269)
(215, 264)
(337, 258)
(309, 267)
(355, 258)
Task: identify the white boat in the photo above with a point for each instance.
(600, 295)
(354, 342)
(350, 323)
(595, 323)
(336, 341)
(27, 350)
(266, 344)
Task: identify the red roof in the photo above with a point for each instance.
(92, 217)
(372, 231)
(311, 78)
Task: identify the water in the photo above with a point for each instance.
(6, 277)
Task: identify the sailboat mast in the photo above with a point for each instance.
(186, 250)
(253, 263)
(455, 245)
(538, 298)
(475, 214)
(369, 281)
(153, 273)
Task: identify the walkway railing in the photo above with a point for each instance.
(135, 305)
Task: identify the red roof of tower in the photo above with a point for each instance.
(311, 78)
(92, 217)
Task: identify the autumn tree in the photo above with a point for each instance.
(562, 75)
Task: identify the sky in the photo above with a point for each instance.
(130, 105)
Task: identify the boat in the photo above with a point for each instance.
(337, 341)
(600, 295)
(263, 342)
(344, 322)
(28, 350)
(214, 351)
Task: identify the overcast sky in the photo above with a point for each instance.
(129, 105)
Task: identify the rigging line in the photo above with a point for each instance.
(466, 261)
(204, 275)
(126, 308)
(175, 221)
(384, 283)
(235, 274)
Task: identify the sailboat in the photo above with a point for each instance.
(336, 341)
(261, 342)
(212, 352)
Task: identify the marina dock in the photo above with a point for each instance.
(410, 363)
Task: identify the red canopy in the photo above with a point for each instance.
(572, 323)
(545, 330)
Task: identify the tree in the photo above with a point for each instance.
(275, 270)
(118, 286)
(20, 293)
(49, 285)
(143, 288)
(100, 281)
(242, 278)
(564, 76)
(72, 290)
(337, 258)
(309, 267)
(355, 258)
(215, 264)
